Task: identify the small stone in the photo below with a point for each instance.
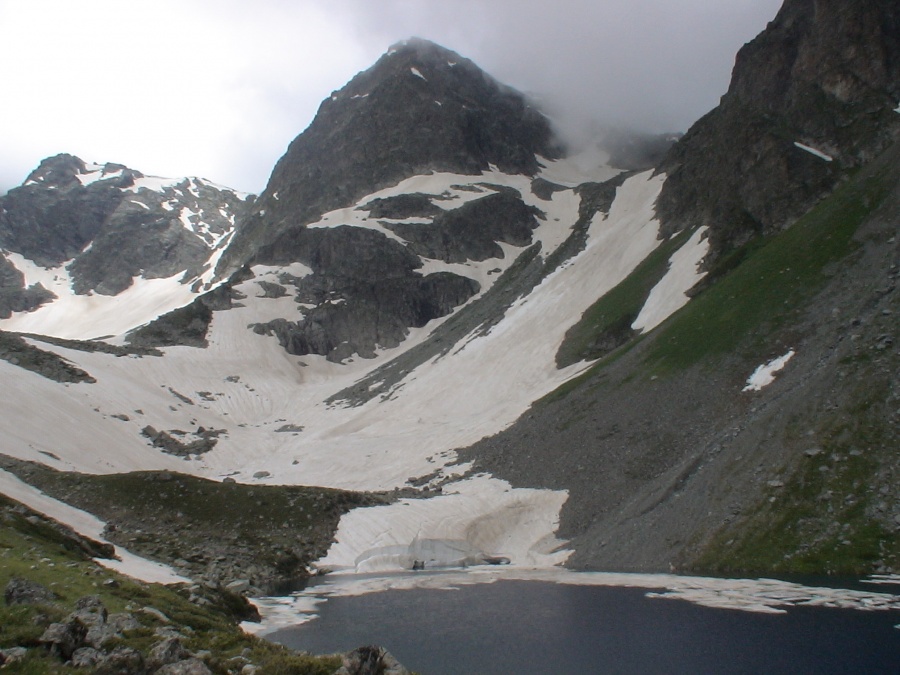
(12, 655)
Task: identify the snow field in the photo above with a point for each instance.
(251, 387)
(87, 317)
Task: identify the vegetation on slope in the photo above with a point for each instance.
(33, 549)
(220, 532)
(606, 324)
(776, 277)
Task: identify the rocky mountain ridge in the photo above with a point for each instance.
(420, 108)
(100, 227)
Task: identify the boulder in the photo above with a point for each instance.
(370, 660)
(167, 652)
(21, 591)
(191, 666)
(121, 661)
(62, 639)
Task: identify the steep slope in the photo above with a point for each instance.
(812, 97)
(80, 241)
(679, 449)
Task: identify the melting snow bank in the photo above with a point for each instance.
(89, 526)
(752, 595)
(670, 294)
(478, 520)
(764, 375)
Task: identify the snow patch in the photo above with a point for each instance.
(418, 73)
(813, 151)
(154, 183)
(764, 375)
(670, 294)
(475, 519)
(98, 175)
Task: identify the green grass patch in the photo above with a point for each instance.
(607, 323)
(833, 513)
(770, 281)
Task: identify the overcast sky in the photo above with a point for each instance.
(218, 88)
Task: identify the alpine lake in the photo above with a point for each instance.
(540, 622)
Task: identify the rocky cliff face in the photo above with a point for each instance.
(420, 108)
(811, 98)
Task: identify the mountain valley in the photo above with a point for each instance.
(440, 338)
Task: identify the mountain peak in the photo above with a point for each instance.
(420, 108)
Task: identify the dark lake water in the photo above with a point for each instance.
(526, 627)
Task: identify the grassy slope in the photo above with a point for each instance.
(31, 549)
(268, 534)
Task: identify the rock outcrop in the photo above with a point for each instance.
(811, 98)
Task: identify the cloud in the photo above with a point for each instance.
(219, 88)
(652, 64)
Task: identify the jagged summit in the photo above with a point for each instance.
(420, 108)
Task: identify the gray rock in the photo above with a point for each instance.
(12, 655)
(370, 660)
(192, 666)
(62, 639)
(121, 661)
(167, 652)
(239, 585)
(21, 591)
(86, 657)
(123, 621)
